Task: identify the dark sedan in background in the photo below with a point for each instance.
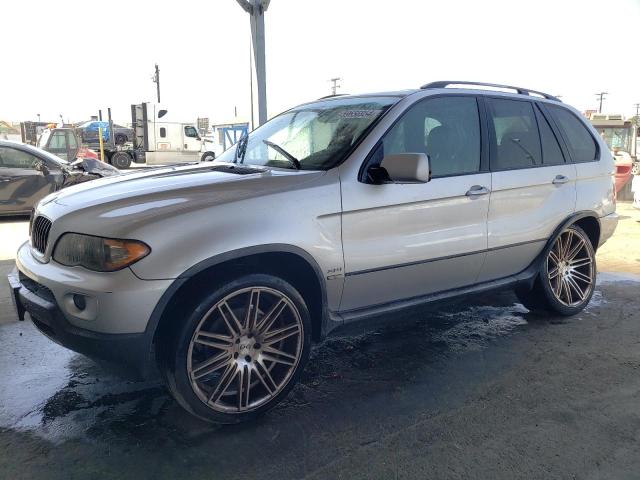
(28, 174)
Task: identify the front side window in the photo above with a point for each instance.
(190, 132)
(315, 136)
(515, 138)
(445, 128)
(58, 141)
(12, 158)
(581, 144)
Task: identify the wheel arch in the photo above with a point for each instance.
(291, 263)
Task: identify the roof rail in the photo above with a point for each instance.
(333, 95)
(520, 90)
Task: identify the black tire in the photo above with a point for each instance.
(178, 345)
(121, 160)
(121, 139)
(208, 157)
(543, 295)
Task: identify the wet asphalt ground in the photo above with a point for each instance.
(475, 388)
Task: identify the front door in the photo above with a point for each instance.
(63, 144)
(21, 184)
(533, 190)
(192, 141)
(407, 240)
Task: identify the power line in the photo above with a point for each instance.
(156, 80)
(601, 96)
(335, 86)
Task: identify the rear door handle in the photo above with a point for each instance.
(477, 190)
(560, 179)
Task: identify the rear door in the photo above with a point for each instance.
(533, 185)
(408, 240)
(594, 186)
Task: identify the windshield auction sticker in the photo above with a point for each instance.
(359, 113)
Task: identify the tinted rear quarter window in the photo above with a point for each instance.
(516, 142)
(581, 144)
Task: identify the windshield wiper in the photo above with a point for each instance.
(241, 148)
(294, 161)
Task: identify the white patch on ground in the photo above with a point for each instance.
(609, 277)
(596, 300)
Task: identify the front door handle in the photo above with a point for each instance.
(477, 190)
(560, 179)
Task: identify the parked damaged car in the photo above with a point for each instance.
(28, 174)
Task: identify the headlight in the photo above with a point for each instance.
(96, 253)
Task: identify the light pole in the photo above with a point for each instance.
(256, 9)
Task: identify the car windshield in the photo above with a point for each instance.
(315, 136)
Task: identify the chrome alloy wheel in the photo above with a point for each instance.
(245, 349)
(570, 268)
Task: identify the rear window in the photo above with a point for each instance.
(580, 141)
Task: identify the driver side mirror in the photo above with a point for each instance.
(401, 168)
(41, 166)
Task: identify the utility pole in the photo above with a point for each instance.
(636, 119)
(38, 117)
(335, 86)
(156, 80)
(256, 9)
(601, 96)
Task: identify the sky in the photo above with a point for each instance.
(72, 58)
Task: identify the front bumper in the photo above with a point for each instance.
(131, 350)
(114, 326)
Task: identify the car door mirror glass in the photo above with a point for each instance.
(404, 168)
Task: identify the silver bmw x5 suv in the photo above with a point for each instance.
(222, 274)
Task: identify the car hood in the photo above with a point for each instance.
(189, 186)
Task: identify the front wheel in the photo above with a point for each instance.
(567, 275)
(208, 157)
(241, 349)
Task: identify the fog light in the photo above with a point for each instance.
(79, 301)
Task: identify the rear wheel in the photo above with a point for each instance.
(121, 160)
(240, 351)
(567, 276)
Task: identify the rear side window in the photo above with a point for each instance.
(580, 142)
(516, 142)
(551, 151)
